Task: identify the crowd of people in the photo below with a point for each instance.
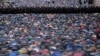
(49, 34)
(46, 3)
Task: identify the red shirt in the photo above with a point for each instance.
(78, 54)
(98, 30)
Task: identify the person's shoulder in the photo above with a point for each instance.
(97, 55)
(3, 54)
(23, 55)
(26, 55)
